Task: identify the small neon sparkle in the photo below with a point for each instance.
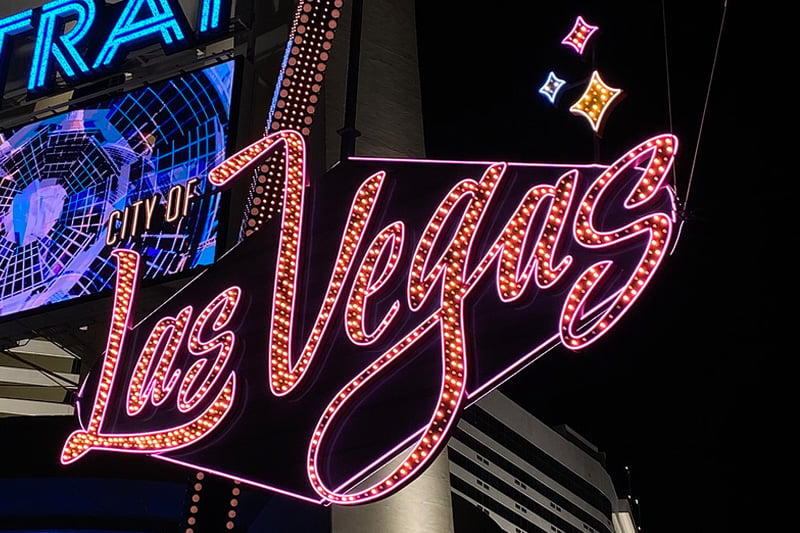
(579, 35)
(595, 102)
(551, 87)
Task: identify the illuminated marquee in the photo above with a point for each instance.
(66, 32)
(432, 283)
(378, 356)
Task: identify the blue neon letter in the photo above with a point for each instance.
(132, 27)
(210, 15)
(13, 25)
(61, 47)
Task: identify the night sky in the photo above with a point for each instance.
(682, 391)
(685, 390)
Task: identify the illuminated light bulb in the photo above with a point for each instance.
(656, 154)
(81, 441)
(303, 73)
(551, 87)
(596, 102)
(579, 35)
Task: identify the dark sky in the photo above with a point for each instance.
(684, 390)
(681, 391)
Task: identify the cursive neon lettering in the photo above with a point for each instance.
(388, 242)
(168, 335)
(654, 229)
(81, 442)
(193, 390)
(536, 248)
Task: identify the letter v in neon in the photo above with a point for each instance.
(283, 373)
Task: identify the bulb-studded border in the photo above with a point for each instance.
(297, 97)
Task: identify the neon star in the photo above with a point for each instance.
(551, 87)
(596, 102)
(579, 35)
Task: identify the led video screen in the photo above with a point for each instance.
(129, 172)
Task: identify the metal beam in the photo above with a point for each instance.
(29, 376)
(32, 408)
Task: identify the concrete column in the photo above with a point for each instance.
(389, 110)
(389, 119)
(423, 506)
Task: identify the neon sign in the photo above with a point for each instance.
(437, 282)
(596, 101)
(551, 87)
(432, 283)
(67, 32)
(579, 35)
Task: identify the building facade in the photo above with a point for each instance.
(528, 477)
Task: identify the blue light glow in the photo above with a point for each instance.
(34, 212)
(551, 87)
(62, 47)
(13, 25)
(131, 27)
(282, 74)
(210, 15)
(62, 178)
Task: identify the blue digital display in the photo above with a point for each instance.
(126, 172)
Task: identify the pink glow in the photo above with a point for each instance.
(443, 280)
(224, 305)
(284, 376)
(297, 96)
(82, 441)
(579, 35)
(284, 373)
(389, 241)
(657, 227)
(473, 163)
(237, 478)
(397, 478)
(156, 390)
(512, 277)
(423, 278)
(473, 198)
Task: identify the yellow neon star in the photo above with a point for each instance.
(596, 102)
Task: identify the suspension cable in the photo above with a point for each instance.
(702, 123)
